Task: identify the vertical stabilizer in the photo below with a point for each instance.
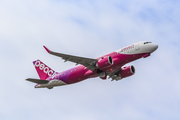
(43, 70)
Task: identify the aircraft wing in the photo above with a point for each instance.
(38, 81)
(87, 62)
(114, 74)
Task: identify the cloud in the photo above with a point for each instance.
(90, 29)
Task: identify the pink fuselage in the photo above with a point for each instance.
(80, 72)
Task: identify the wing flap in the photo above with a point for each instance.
(38, 81)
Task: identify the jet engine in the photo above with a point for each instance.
(127, 71)
(104, 62)
(123, 73)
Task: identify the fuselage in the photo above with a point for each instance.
(120, 58)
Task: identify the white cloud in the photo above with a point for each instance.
(90, 29)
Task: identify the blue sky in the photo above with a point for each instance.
(89, 28)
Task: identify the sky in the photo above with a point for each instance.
(89, 28)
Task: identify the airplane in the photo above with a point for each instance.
(108, 65)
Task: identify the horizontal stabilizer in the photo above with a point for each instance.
(38, 81)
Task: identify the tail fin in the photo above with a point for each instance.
(43, 70)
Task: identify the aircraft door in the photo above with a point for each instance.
(137, 46)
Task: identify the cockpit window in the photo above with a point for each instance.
(147, 42)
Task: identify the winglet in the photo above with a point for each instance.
(47, 49)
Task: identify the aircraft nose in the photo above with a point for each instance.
(154, 47)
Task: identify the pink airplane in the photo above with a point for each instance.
(108, 65)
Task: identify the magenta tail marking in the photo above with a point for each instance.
(43, 70)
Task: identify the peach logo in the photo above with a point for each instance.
(45, 69)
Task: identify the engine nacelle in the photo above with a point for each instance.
(127, 71)
(105, 62)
